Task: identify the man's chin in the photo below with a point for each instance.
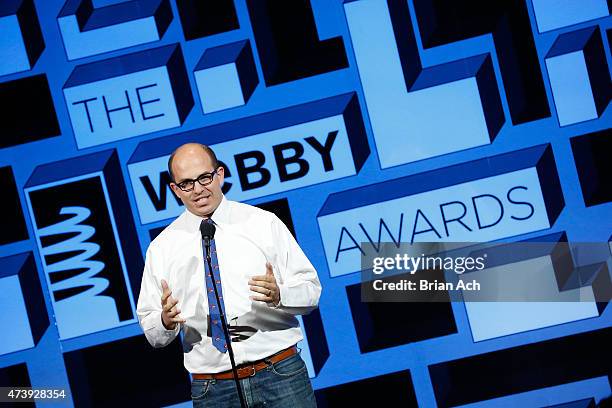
(202, 210)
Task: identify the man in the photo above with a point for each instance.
(263, 278)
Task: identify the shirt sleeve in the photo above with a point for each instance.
(149, 304)
(299, 285)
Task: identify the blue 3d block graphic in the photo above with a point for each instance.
(13, 223)
(579, 76)
(448, 24)
(128, 96)
(206, 18)
(554, 14)
(542, 279)
(592, 159)
(469, 123)
(15, 374)
(289, 43)
(21, 41)
(417, 113)
(24, 315)
(483, 200)
(90, 30)
(87, 240)
(264, 154)
(91, 385)
(521, 368)
(226, 76)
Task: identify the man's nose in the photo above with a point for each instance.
(198, 188)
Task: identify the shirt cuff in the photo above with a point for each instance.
(282, 295)
(169, 332)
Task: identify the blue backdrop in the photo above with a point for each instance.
(355, 121)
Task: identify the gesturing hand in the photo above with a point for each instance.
(170, 311)
(266, 285)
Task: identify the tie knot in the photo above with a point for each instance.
(206, 221)
(207, 229)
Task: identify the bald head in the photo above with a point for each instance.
(196, 165)
(190, 151)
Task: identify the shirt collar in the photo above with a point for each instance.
(221, 214)
(220, 217)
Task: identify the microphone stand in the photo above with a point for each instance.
(228, 340)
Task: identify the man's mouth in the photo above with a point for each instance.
(201, 200)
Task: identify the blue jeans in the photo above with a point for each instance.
(280, 385)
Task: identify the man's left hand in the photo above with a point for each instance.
(266, 286)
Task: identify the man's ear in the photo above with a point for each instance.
(221, 174)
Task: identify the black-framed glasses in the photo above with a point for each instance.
(203, 179)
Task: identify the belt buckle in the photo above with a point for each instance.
(252, 370)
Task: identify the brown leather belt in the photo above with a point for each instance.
(249, 370)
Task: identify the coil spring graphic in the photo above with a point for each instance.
(84, 252)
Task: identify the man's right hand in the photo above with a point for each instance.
(170, 311)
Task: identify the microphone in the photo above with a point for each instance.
(208, 233)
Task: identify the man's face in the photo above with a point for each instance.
(189, 164)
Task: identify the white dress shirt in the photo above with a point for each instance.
(246, 237)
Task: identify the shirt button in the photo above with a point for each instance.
(217, 338)
(215, 321)
(213, 306)
(218, 282)
(210, 290)
(225, 345)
